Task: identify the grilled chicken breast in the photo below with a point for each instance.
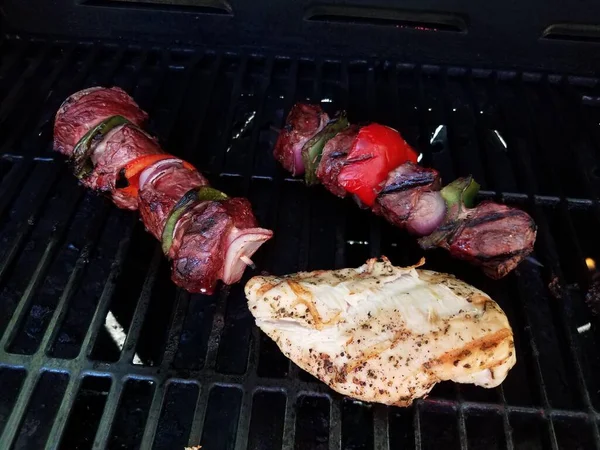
(384, 334)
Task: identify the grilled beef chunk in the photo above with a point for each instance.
(333, 159)
(211, 240)
(201, 255)
(161, 187)
(213, 243)
(493, 236)
(409, 199)
(85, 109)
(120, 146)
(302, 123)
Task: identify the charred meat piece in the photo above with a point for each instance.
(302, 123)
(410, 199)
(401, 331)
(85, 109)
(333, 159)
(209, 237)
(493, 236)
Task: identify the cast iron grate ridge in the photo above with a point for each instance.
(197, 102)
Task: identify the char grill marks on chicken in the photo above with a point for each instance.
(207, 235)
(493, 236)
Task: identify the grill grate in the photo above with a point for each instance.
(99, 349)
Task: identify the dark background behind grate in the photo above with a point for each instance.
(69, 258)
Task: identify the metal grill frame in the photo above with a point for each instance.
(249, 383)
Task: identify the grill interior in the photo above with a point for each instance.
(98, 347)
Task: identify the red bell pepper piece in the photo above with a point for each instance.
(376, 151)
(134, 169)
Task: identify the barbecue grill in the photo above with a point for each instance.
(99, 349)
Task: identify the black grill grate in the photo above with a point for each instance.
(194, 369)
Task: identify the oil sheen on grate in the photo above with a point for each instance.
(100, 350)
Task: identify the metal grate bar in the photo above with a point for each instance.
(17, 91)
(565, 313)
(241, 438)
(381, 432)
(289, 422)
(278, 179)
(508, 437)
(417, 424)
(153, 415)
(18, 413)
(446, 115)
(219, 163)
(523, 296)
(74, 279)
(341, 213)
(13, 58)
(107, 293)
(25, 228)
(45, 86)
(199, 414)
(219, 316)
(137, 322)
(182, 300)
(202, 107)
(103, 433)
(217, 329)
(335, 423)
(11, 185)
(151, 275)
(105, 300)
(243, 429)
(258, 119)
(63, 413)
(87, 66)
(40, 272)
(161, 389)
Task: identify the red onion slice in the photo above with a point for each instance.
(153, 171)
(427, 215)
(298, 162)
(242, 244)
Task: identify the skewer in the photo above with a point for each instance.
(248, 261)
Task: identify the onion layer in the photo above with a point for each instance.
(427, 215)
(241, 245)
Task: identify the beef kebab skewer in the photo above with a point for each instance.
(207, 235)
(376, 166)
